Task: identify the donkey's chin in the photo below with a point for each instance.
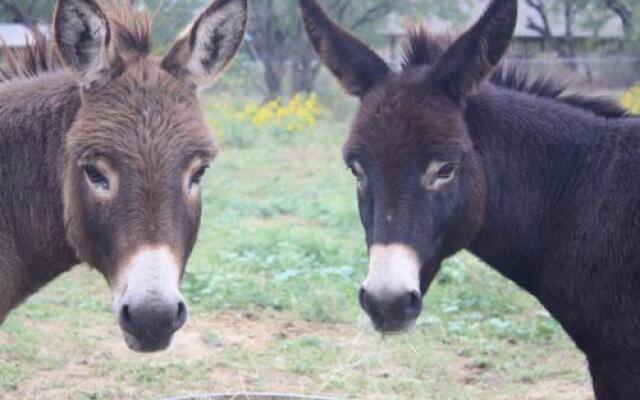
(146, 345)
(393, 327)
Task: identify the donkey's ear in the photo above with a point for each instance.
(202, 54)
(474, 55)
(82, 34)
(357, 67)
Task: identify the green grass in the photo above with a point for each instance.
(284, 236)
(272, 286)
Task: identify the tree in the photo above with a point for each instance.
(629, 13)
(278, 40)
(27, 12)
(357, 16)
(564, 46)
(623, 11)
(171, 17)
(594, 12)
(270, 31)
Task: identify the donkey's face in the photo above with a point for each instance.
(420, 191)
(136, 154)
(421, 188)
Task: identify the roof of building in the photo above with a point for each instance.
(612, 28)
(17, 35)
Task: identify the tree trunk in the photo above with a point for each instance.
(281, 46)
(570, 52)
(303, 76)
(624, 13)
(564, 47)
(269, 45)
(304, 64)
(273, 77)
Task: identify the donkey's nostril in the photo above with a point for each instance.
(126, 321)
(391, 312)
(181, 316)
(365, 300)
(371, 304)
(125, 313)
(413, 305)
(154, 320)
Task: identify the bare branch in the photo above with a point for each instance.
(623, 12)
(543, 28)
(372, 14)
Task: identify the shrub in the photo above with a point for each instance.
(631, 99)
(241, 125)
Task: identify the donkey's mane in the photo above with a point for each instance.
(34, 59)
(425, 48)
(130, 33)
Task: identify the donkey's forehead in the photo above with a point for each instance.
(409, 93)
(144, 111)
(145, 76)
(142, 148)
(143, 96)
(400, 117)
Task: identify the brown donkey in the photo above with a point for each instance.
(101, 159)
(542, 186)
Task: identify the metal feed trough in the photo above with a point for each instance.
(249, 396)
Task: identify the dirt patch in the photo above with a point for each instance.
(555, 388)
(64, 383)
(256, 332)
(235, 351)
(88, 372)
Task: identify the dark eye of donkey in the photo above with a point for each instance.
(355, 169)
(197, 177)
(96, 177)
(447, 170)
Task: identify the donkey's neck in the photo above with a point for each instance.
(537, 155)
(35, 115)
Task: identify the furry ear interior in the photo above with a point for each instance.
(83, 34)
(472, 57)
(354, 64)
(206, 50)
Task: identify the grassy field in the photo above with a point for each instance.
(272, 288)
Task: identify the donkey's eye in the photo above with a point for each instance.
(197, 177)
(96, 177)
(356, 169)
(438, 174)
(447, 170)
(358, 172)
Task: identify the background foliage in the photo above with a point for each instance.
(277, 63)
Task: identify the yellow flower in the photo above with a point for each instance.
(631, 99)
(277, 118)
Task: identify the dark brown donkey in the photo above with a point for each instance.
(543, 187)
(101, 159)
